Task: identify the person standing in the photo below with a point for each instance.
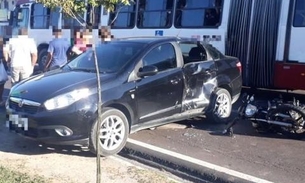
(57, 51)
(2, 81)
(83, 41)
(22, 52)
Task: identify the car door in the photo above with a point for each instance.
(160, 95)
(200, 75)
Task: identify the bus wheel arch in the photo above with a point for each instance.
(42, 55)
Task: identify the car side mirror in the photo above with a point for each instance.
(149, 70)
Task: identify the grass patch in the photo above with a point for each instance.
(10, 176)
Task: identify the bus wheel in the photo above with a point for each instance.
(42, 58)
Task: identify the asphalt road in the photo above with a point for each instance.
(267, 156)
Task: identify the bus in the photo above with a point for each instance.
(267, 36)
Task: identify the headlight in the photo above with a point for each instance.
(66, 99)
(250, 110)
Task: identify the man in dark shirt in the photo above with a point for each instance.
(57, 52)
(212, 17)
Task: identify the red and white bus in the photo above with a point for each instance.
(267, 36)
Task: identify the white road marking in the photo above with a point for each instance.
(200, 162)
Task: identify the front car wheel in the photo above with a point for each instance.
(114, 131)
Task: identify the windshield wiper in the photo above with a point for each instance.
(83, 69)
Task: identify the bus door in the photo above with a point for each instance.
(252, 36)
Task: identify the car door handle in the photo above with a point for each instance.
(175, 81)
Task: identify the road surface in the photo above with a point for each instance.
(266, 156)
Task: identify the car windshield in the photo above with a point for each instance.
(111, 56)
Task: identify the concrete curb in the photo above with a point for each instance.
(192, 169)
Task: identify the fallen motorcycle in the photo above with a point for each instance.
(286, 118)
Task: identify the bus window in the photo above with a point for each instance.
(40, 17)
(198, 13)
(69, 22)
(55, 14)
(123, 17)
(299, 14)
(94, 16)
(155, 14)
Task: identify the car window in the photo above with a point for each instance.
(216, 54)
(111, 56)
(192, 52)
(163, 57)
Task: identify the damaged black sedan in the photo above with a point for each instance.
(146, 82)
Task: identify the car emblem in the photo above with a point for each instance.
(20, 104)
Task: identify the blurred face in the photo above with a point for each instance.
(105, 34)
(57, 33)
(83, 38)
(87, 38)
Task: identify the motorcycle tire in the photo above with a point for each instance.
(297, 121)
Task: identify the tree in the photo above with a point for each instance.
(72, 8)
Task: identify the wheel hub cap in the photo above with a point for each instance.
(223, 106)
(112, 132)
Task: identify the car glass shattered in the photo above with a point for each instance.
(112, 57)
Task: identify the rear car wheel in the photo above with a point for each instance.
(114, 131)
(222, 106)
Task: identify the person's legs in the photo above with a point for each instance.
(25, 73)
(15, 75)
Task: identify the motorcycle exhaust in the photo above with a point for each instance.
(272, 122)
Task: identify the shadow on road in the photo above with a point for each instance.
(11, 142)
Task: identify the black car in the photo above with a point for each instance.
(145, 82)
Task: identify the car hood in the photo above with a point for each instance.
(45, 86)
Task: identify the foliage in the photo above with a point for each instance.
(73, 6)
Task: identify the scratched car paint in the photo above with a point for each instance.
(146, 82)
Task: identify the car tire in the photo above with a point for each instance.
(117, 129)
(221, 106)
(42, 58)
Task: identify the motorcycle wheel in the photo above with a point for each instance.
(290, 114)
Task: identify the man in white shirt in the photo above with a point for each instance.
(22, 52)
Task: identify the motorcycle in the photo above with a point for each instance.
(277, 116)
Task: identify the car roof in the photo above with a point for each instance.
(153, 39)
